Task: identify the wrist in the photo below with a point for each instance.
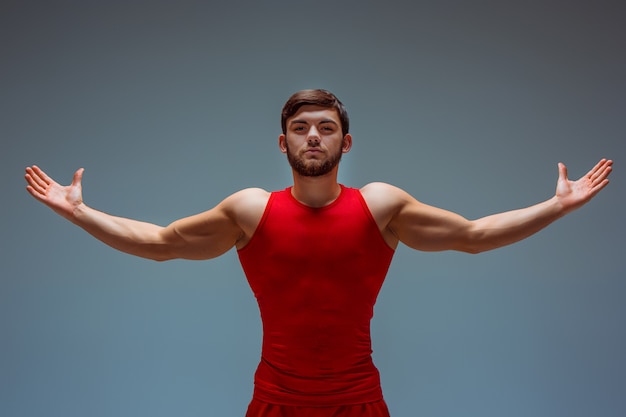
(78, 213)
(559, 206)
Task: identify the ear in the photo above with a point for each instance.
(347, 143)
(282, 143)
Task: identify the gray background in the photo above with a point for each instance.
(171, 106)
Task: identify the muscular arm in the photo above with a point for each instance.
(203, 236)
(427, 228)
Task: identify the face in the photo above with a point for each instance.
(314, 142)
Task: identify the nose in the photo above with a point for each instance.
(313, 136)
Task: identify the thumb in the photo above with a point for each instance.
(78, 177)
(562, 171)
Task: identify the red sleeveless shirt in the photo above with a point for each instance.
(316, 274)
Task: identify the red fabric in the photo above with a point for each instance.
(316, 273)
(260, 409)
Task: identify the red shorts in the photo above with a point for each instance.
(261, 409)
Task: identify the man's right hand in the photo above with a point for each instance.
(62, 199)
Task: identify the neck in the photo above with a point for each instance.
(316, 191)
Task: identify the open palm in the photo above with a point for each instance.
(61, 199)
(574, 194)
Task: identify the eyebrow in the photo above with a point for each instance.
(306, 123)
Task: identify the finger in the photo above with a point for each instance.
(35, 189)
(35, 180)
(30, 173)
(599, 186)
(602, 171)
(78, 177)
(597, 169)
(562, 171)
(35, 193)
(34, 186)
(40, 176)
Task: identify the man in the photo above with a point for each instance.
(316, 255)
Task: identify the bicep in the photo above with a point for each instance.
(202, 236)
(214, 232)
(429, 228)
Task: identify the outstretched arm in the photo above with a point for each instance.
(428, 228)
(202, 236)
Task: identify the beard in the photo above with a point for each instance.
(313, 167)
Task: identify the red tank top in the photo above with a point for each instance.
(316, 273)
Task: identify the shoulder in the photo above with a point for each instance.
(383, 194)
(245, 201)
(387, 201)
(384, 202)
(248, 195)
(245, 208)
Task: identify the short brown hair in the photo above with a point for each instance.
(314, 97)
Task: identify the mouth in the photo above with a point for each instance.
(313, 150)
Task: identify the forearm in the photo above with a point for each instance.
(126, 235)
(503, 229)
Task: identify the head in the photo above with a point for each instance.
(317, 97)
(315, 132)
